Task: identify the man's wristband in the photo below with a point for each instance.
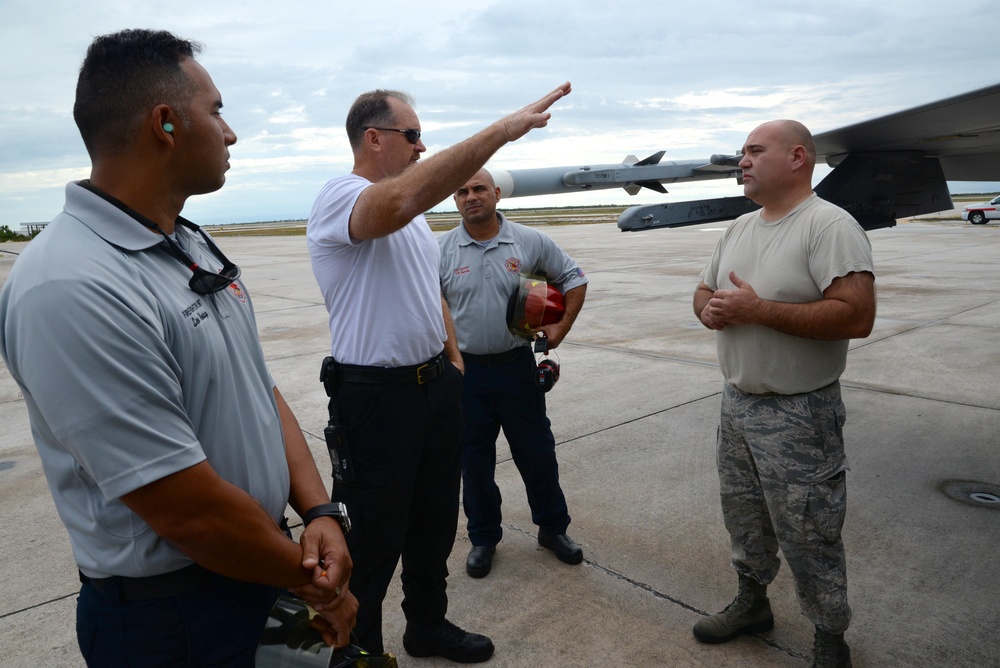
(337, 511)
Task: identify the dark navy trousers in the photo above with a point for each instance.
(505, 396)
(219, 626)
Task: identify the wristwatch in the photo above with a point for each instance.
(336, 510)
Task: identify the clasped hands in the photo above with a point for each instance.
(731, 307)
(327, 593)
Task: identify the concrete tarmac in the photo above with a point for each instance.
(635, 416)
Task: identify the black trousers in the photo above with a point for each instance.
(406, 445)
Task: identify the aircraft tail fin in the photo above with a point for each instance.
(878, 188)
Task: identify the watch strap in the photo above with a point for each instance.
(337, 511)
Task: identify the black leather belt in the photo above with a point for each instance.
(490, 361)
(185, 581)
(417, 374)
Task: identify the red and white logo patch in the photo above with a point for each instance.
(238, 292)
(513, 265)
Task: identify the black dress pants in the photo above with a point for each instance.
(405, 440)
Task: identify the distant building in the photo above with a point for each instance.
(28, 229)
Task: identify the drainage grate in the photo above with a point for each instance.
(971, 493)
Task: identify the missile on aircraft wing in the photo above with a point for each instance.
(679, 214)
(631, 174)
(887, 168)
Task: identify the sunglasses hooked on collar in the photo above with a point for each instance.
(203, 282)
(412, 136)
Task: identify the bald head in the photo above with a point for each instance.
(484, 176)
(477, 203)
(778, 160)
(791, 134)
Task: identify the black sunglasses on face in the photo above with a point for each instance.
(412, 136)
(203, 282)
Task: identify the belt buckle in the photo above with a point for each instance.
(420, 373)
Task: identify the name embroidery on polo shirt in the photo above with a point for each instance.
(513, 265)
(195, 313)
(462, 270)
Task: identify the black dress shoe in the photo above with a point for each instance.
(562, 545)
(447, 640)
(480, 561)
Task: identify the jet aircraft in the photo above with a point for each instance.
(891, 167)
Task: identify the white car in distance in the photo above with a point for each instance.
(977, 214)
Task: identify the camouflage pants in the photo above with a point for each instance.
(782, 481)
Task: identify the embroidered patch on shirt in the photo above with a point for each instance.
(238, 292)
(513, 265)
(462, 270)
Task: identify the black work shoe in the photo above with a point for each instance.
(480, 561)
(562, 545)
(445, 639)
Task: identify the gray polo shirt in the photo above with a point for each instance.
(478, 282)
(129, 376)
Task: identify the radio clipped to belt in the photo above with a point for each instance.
(547, 370)
(335, 432)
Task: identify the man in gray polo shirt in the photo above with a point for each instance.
(482, 261)
(170, 454)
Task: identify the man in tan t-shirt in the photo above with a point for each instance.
(785, 290)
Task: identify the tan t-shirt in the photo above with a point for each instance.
(792, 260)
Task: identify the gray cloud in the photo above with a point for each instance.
(690, 78)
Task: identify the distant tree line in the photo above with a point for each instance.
(7, 234)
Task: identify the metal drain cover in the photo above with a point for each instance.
(971, 493)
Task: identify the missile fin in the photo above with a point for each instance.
(652, 185)
(651, 160)
(632, 189)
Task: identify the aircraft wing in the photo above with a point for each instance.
(891, 167)
(898, 165)
(961, 132)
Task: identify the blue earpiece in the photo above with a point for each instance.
(168, 127)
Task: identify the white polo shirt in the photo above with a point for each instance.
(382, 295)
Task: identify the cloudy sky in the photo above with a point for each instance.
(691, 78)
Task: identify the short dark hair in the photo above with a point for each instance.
(123, 76)
(372, 109)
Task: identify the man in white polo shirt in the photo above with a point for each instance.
(395, 383)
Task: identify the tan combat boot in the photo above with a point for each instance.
(750, 612)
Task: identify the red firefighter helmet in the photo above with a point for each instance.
(535, 303)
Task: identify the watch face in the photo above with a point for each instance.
(345, 521)
(339, 510)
